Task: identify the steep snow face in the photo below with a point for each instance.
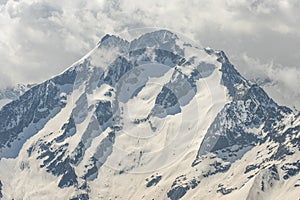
(154, 118)
(23, 117)
(244, 122)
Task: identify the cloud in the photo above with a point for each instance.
(40, 38)
(280, 82)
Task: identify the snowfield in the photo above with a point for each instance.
(151, 118)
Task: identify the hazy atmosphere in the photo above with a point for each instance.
(150, 99)
(39, 39)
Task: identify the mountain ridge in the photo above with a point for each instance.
(171, 118)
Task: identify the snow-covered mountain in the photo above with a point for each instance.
(151, 118)
(12, 93)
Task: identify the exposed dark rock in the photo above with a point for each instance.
(68, 179)
(97, 160)
(180, 187)
(104, 112)
(166, 98)
(81, 197)
(251, 108)
(177, 192)
(116, 70)
(291, 169)
(1, 195)
(153, 181)
(68, 130)
(40, 102)
(221, 189)
(250, 168)
(217, 167)
(77, 154)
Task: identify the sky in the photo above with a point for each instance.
(41, 38)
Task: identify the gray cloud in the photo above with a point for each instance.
(279, 81)
(39, 39)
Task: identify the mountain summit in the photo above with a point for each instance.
(151, 118)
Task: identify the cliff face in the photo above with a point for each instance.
(152, 118)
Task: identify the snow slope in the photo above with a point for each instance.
(151, 118)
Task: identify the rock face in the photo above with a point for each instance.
(32, 109)
(151, 118)
(250, 108)
(1, 195)
(12, 93)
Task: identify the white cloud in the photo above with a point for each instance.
(279, 81)
(40, 38)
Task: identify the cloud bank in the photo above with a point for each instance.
(40, 38)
